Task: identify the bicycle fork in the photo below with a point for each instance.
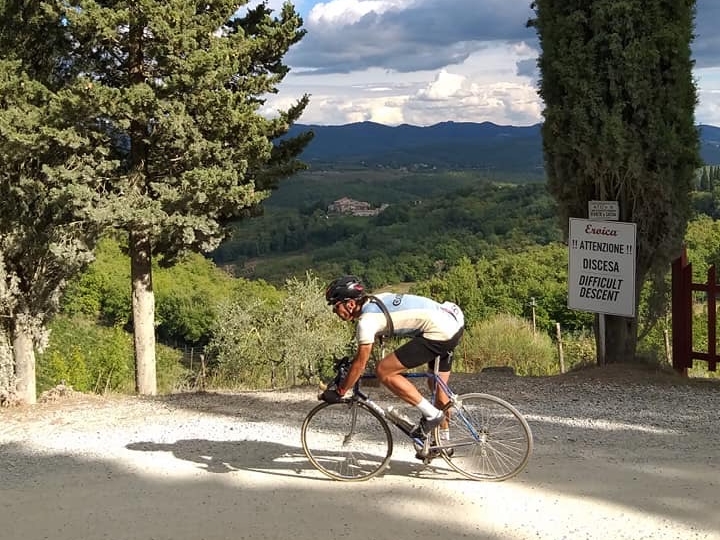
(353, 422)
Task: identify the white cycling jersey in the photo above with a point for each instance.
(411, 316)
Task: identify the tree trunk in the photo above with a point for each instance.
(143, 309)
(620, 339)
(24, 354)
(7, 371)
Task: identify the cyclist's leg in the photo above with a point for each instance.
(389, 372)
(444, 352)
(441, 397)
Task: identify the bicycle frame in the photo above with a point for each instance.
(352, 440)
(424, 443)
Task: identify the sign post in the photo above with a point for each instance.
(601, 269)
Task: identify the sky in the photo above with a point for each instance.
(421, 62)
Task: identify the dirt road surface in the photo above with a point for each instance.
(619, 455)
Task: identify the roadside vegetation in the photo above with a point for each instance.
(217, 330)
(139, 131)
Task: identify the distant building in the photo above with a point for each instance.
(352, 207)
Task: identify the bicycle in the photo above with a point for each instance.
(351, 441)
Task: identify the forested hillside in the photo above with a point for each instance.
(411, 240)
(433, 219)
(490, 243)
(491, 247)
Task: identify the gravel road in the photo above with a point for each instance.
(620, 454)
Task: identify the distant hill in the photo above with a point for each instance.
(461, 145)
(710, 144)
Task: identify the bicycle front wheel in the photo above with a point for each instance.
(489, 438)
(347, 441)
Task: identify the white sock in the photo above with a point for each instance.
(428, 410)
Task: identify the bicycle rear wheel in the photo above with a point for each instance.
(489, 438)
(347, 441)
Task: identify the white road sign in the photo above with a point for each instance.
(604, 210)
(601, 269)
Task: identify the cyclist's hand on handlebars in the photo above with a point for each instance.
(342, 366)
(331, 395)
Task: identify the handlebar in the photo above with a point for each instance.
(342, 367)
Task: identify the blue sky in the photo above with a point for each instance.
(426, 61)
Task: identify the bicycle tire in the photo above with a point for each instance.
(347, 441)
(489, 438)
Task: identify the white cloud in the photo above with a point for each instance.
(485, 87)
(446, 85)
(503, 103)
(428, 61)
(347, 12)
(405, 35)
(708, 109)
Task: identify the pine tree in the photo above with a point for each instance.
(619, 123)
(46, 193)
(170, 92)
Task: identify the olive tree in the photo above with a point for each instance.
(274, 343)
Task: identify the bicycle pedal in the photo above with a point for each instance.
(429, 456)
(425, 459)
(433, 454)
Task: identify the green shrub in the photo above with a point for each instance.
(86, 356)
(579, 349)
(172, 375)
(651, 348)
(94, 358)
(700, 370)
(505, 340)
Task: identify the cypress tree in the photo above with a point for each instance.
(704, 180)
(616, 79)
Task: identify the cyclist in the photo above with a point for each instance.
(435, 330)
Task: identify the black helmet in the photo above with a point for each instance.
(344, 288)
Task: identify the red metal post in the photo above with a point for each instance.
(712, 317)
(687, 289)
(680, 315)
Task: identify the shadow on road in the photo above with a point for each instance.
(66, 498)
(276, 459)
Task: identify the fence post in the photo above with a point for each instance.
(560, 348)
(202, 372)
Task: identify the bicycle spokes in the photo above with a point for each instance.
(490, 439)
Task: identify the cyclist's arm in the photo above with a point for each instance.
(357, 368)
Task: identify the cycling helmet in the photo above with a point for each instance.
(344, 288)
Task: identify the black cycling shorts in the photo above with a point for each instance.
(420, 350)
